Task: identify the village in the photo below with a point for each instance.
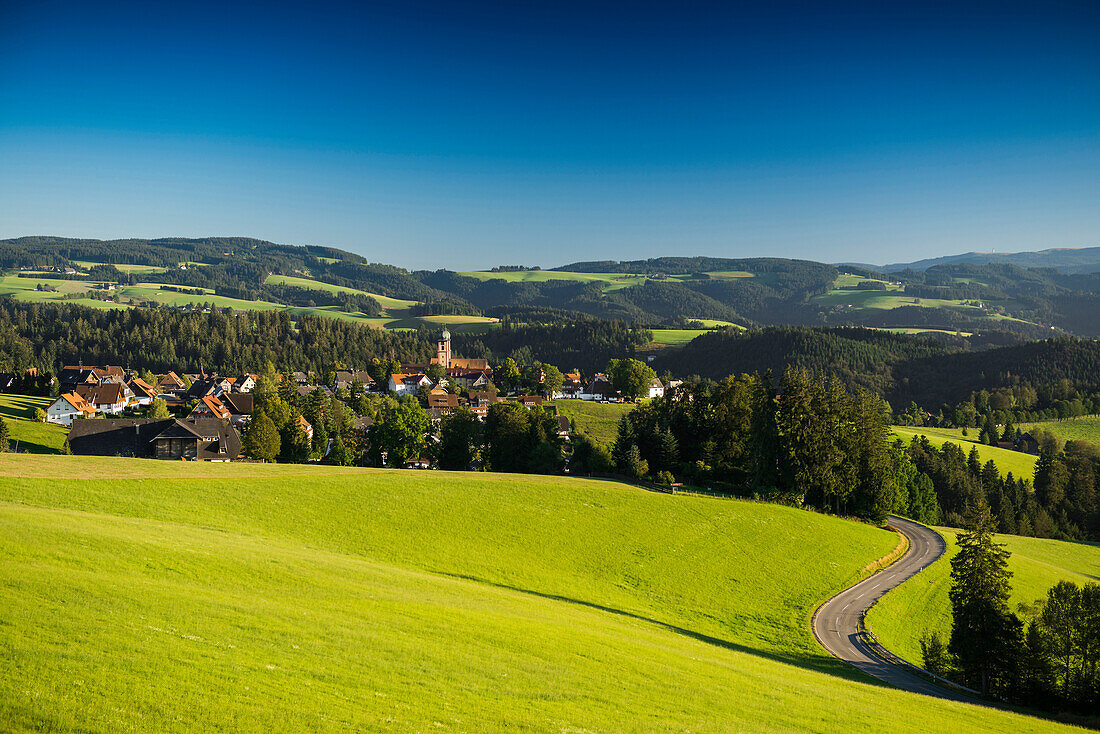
(201, 416)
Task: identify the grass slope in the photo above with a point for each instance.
(599, 420)
(921, 603)
(29, 435)
(1085, 428)
(1020, 464)
(184, 597)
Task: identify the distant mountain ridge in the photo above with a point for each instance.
(1063, 259)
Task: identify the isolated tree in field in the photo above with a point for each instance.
(158, 409)
(5, 436)
(985, 636)
(261, 438)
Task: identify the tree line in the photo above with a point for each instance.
(806, 441)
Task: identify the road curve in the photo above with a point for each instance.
(837, 622)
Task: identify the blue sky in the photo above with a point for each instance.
(468, 135)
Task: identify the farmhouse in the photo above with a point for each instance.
(211, 406)
(68, 408)
(108, 397)
(144, 393)
(656, 388)
(404, 384)
(195, 439)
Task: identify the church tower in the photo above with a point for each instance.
(443, 350)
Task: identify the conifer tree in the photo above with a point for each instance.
(985, 636)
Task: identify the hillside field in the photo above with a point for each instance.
(29, 435)
(1020, 464)
(921, 604)
(598, 420)
(164, 596)
(1085, 428)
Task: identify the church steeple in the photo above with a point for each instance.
(443, 349)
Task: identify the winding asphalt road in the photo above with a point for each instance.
(838, 621)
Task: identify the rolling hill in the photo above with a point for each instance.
(178, 597)
(1066, 260)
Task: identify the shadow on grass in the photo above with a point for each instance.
(818, 663)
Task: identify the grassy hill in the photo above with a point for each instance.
(182, 597)
(921, 603)
(1020, 464)
(599, 420)
(1085, 428)
(29, 435)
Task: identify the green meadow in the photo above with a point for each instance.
(611, 281)
(598, 420)
(26, 434)
(162, 596)
(921, 604)
(1085, 428)
(1020, 464)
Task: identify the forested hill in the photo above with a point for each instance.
(236, 267)
(1066, 260)
(861, 357)
(682, 265)
(665, 292)
(900, 367)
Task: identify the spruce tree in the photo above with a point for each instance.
(261, 438)
(985, 636)
(5, 436)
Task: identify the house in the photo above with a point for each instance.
(72, 375)
(1027, 443)
(212, 406)
(108, 397)
(529, 401)
(195, 439)
(171, 383)
(563, 427)
(201, 387)
(301, 378)
(245, 383)
(403, 384)
(68, 408)
(362, 423)
(656, 388)
(599, 389)
(471, 379)
(240, 407)
(306, 427)
(343, 379)
(304, 390)
(365, 378)
(144, 393)
(479, 402)
(441, 405)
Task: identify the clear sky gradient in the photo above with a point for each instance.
(468, 135)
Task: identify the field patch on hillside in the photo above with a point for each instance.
(1021, 465)
(27, 434)
(1085, 428)
(598, 420)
